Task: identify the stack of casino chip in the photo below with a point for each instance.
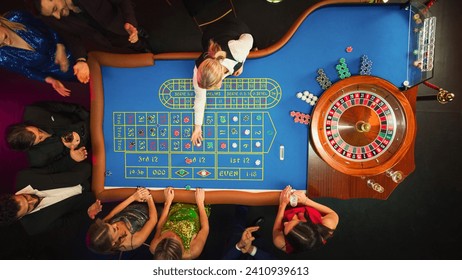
(322, 79)
(366, 65)
(342, 69)
(300, 117)
(307, 97)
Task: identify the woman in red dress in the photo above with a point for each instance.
(304, 226)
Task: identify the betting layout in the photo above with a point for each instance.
(237, 130)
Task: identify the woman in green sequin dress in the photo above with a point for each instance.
(182, 229)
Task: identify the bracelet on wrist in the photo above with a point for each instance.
(82, 60)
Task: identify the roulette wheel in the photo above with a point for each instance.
(362, 126)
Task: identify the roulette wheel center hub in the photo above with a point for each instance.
(358, 125)
(362, 126)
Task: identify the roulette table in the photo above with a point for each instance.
(142, 116)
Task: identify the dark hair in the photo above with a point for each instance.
(34, 6)
(19, 138)
(168, 249)
(9, 208)
(99, 240)
(307, 235)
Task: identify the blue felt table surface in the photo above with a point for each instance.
(380, 32)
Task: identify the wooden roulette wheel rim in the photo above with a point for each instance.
(362, 126)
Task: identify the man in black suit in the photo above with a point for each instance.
(241, 244)
(45, 134)
(45, 202)
(92, 25)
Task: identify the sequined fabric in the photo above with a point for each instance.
(40, 62)
(183, 219)
(134, 216)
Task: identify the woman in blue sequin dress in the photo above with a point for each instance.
(29, 47)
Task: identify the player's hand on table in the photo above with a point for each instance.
(169, 194)
(79, 154)
(82, 72)
(284, 197)
(200, 196)
(301, 197)
(141, 194)
(196, 137)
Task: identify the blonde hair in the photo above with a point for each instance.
(15, 26)
(210, 71)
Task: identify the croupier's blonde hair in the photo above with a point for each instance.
(210, 71)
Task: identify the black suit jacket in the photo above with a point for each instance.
(100, 27)
(56, 118)
(72, 209)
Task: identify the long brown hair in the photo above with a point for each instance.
(99, 240)
(15, 26)
(168, 249)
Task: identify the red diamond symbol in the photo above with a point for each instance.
(203, 173)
